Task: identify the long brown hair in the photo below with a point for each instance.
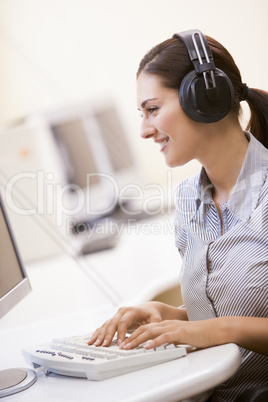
(170, 61)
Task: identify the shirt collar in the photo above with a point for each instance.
(249, 183)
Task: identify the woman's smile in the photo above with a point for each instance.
(162, 142)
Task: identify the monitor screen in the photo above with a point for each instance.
(75, 151)
(96, 161)
(14, 283)
(115, 138)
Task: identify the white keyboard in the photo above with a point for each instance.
(73, 357)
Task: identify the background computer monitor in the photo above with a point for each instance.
(95, 157)
(118, 147)
(14, 283)
(125, 171)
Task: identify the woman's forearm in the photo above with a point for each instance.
(248, 332)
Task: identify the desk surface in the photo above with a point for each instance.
(173, 381)
(69, 299)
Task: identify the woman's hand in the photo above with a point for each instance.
(195, 333)
(127, 318)
(248, 332)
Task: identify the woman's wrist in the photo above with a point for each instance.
(226, 330)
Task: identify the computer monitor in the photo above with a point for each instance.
(14, 286)
(96, 159)
(113, 133)
(14, 283)
(125, 172)
(89, 186)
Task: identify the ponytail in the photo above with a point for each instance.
(258, 123)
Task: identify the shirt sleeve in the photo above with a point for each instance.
(186, 207)
(180, 230)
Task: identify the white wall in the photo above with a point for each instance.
(54, 52)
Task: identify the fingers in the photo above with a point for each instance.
(126, 321)
(152, 336)
(105, 334)
(119, 323)
(143, 334)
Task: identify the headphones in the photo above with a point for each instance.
(206, 94)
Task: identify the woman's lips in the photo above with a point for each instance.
(163, 143)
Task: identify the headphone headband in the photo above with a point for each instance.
(206, 94)
(200, 54)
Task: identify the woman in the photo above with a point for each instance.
(221, 215)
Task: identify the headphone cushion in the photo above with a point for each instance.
(195, 102)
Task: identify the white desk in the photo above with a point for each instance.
(172, 381)
(68, 300)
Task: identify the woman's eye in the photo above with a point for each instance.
(149, 111)
(152, 109)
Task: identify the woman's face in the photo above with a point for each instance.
(163, 120)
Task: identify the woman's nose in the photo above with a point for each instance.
(148, 130)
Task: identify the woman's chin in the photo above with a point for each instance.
(170, 162)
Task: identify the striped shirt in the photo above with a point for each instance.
(227, 274)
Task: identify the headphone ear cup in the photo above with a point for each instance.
(185, 96)
(195, 102)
